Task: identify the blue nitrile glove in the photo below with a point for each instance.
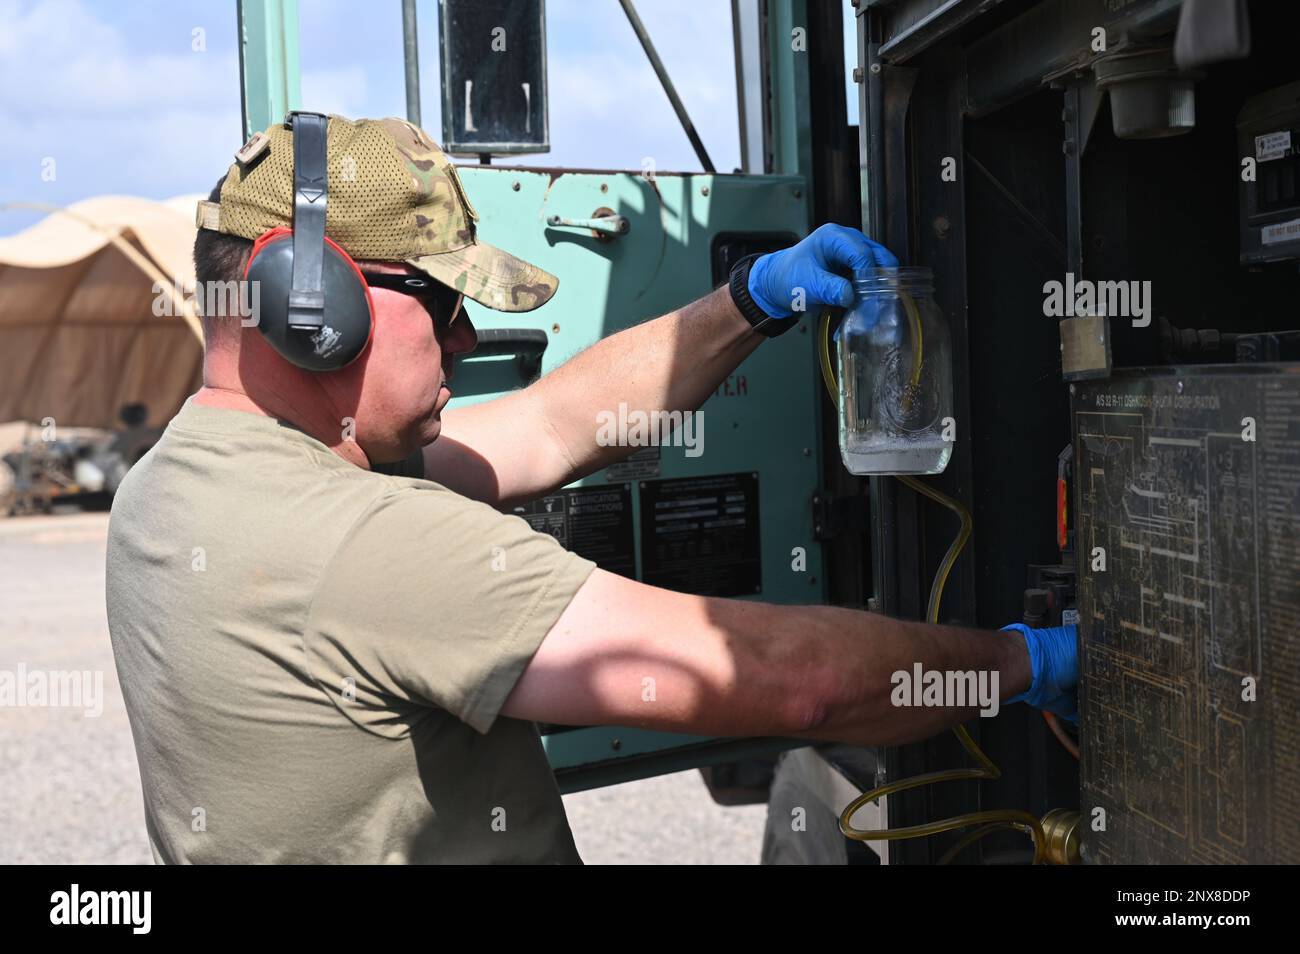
(1054, 657)
(817, 265)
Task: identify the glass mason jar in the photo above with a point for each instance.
(895, 369)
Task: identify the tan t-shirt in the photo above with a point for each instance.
(314, 656)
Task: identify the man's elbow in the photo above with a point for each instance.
(795, 682)
(811, 698)
(808, 716)
(833, 702)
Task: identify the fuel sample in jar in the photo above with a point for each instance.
(895, 376)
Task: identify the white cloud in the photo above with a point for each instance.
(59, 57)
(139, 112)
(606, 104)
(157, 123)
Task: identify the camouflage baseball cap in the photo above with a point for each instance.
(393, 197)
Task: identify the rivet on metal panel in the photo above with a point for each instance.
(857, 74)
(875, 68)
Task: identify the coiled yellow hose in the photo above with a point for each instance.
(992, 819)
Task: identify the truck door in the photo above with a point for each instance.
(731, 516)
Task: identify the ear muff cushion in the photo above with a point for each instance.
(348, 321)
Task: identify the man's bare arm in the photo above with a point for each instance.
(521, 446)
(738, 668)
(527, 443)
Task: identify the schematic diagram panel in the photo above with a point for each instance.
(1187, 504)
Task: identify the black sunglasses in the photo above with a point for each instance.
(445, 301)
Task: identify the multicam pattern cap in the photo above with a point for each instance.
(393, 197)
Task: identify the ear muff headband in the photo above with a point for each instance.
(316, 309)
(310, 195)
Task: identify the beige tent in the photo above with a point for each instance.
(80, 293)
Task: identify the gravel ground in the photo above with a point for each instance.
(69, 787)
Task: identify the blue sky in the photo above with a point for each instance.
(115, 95)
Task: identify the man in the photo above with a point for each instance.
(329, 656)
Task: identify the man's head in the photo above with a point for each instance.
(396, 206)
(394, 392)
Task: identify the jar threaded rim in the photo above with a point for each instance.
(909, 278)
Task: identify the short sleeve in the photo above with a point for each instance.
(437, 600)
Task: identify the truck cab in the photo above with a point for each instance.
(1105, 192)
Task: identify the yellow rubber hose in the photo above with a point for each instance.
(914, 320)
(971, 837)
(990, 820)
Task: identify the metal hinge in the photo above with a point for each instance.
(835, 515)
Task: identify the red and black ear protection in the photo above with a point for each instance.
(315, 305)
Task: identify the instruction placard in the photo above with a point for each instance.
(593, 522)
(700, 535)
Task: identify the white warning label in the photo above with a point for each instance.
(1280, 232)
(1273, 145)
